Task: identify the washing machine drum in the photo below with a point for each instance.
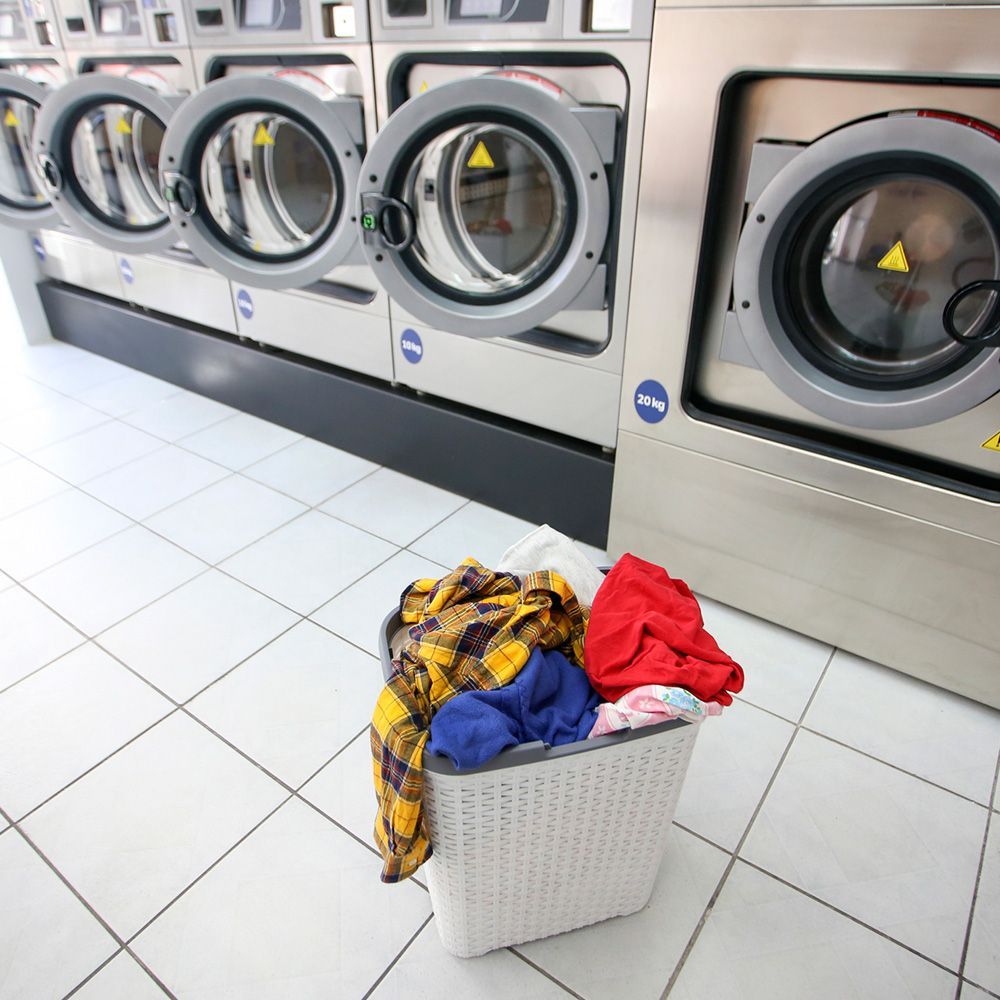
(97, 143)
(485, 204)
(23, 200)
(849, 257)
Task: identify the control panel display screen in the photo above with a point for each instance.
(259, 13)
(480, 8)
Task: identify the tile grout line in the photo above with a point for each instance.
(734, 854)
(83, 982)
(548, 975)
(979, 875)
(385, 972)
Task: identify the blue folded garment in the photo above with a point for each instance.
(550, 700)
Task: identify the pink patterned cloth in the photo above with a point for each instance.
(648, 705)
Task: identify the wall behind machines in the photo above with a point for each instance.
(830, 529)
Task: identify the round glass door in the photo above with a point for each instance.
(23, 201)
(849, 257)
(260, 173)
(98, 144)
(485, 205)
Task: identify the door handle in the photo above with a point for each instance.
(50, 173)
(179, 194)
(389, 220)
(989, 337)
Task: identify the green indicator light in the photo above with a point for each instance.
(368, 221)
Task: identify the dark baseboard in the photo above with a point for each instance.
(514, 467)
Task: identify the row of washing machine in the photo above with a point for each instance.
(232, 163)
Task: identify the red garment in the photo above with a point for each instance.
(646, 628)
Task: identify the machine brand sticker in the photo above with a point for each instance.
(36, 245)
(10, 119)
(651, 401)
(480, 157)
(123, 127)
(262, 137)
(127, 273)
(993, 443)
(244, 303)
(895, 259)
(412, 346)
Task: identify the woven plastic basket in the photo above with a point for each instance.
(544, 840)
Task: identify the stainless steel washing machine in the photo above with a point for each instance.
(498, 200)
(261, 167)
(801, 437)
(97, 142)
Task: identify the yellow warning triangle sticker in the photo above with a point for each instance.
(895, 259)
(10, 119)
(481, 156)
(422, 87)
(123, 127)
(992, 443)
(262, 137)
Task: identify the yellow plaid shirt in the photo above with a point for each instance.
(472, 630)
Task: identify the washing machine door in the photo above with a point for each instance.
(23, 200)
(261, 175)
(97, 144)
(485, 204)
(849, 257)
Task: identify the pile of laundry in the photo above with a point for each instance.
(493, 659)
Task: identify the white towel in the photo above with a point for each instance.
(546, 548)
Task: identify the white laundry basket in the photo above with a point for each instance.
(544, 840)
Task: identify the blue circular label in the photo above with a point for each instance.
(39, 249)
(244, 303)
(651, 401)
(126, 269)
(412, 346)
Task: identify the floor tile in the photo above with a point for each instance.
(599, 557)
(357, 614)
(885, 847)
(310, 471)
(6, 455)
(239, 441)
(155, 481)
(48, 940)
(634, 956)
(765, 941)
(734, 758)
(123, 978)
(184, 641)
(782, 667)
(18, 394)
(137, 830)
(475, 530)
(297, 910)
(983, 962)
(428, 972)
(393, 506)
(178, 415)
(32, 635)
(294, 704)
(940, 736)
(344, 791)
(23, 484)
(225, 517)
(110, 580)
(308, 561)
(79, 374)
(54, 529)
(970, 992)
(35, 428)
(37, 358)
(127, 393)
(64, 719)
(105, 447)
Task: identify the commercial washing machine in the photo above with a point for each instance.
(499, 200)
(97, 141)
(801, 437)
(261, 168)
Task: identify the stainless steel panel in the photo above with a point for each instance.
(554, 394)
(187, 291)
(913, 595)
(320, 328)
(77, 261)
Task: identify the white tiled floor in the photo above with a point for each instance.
(190, 599)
